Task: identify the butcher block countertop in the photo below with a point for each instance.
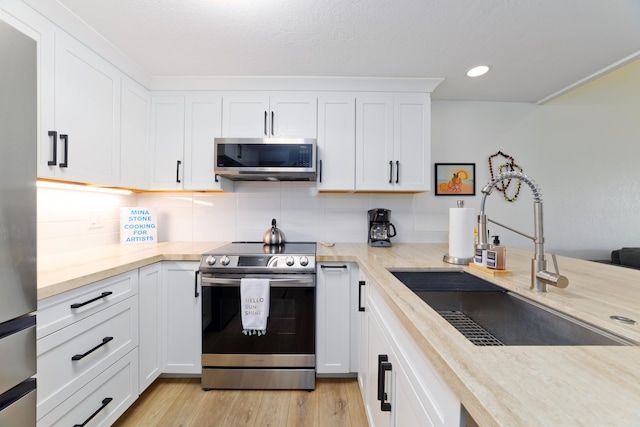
(506, 386)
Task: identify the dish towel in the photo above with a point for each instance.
(254, 299)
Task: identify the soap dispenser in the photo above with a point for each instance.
(496, 255)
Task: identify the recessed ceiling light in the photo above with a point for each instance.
(478, 71)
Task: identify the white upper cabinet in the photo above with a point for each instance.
(81, 140)
(183, 129)
(203, 123)
(259, 115)
(393, 142)
(336, 142)
(134, 135)
(167, 136)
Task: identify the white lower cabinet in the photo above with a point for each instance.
(401, 387)
(182, 318)
(82, 335)
(102, 400)
(332, 318)
(337, 319)
(150, 324)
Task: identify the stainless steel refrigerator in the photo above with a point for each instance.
(18, 275)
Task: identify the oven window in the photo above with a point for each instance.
(290, 326)
(264, 155)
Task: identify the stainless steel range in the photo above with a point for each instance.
(282, 356)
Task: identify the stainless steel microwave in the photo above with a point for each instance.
(265, 159)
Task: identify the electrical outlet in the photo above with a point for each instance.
(95, 220)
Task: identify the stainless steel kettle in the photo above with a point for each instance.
(273, 236)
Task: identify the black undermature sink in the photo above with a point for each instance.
(488, 315)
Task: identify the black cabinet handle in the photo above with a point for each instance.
(329, 267)
(384, 405)
(196, 293)
(272, 120)
(178, 163)
(397, 171)
(65, 139)
(320, 169)
(83, 355)
(382, 358)
(54, 155)
(265, 124)
(384, 366)
(105, 402)
(390, 171)
(361, 284)
(215, 178)
(82, 304)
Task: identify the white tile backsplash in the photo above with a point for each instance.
(301, 212)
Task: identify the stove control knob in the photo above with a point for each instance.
(304, 261)
(225, 260)
(210, 260)
(289, 261)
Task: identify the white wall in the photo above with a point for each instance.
(582, 149)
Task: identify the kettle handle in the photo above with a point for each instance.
(391, 226)
(273, 223)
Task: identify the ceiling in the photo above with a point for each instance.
(535, 48)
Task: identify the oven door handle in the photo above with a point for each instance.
(296, 282)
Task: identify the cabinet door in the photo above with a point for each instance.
(182, 321)
(293, 116)
(336, 142)
(203, 123)
(150, 323)
(411, 143)
(167, 126)
(374, 143)
(379, 346)
(87, 110)
(245, 116)
(258, 115)
(333, 318)
(134, 131)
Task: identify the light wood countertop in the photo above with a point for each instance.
(507, 386)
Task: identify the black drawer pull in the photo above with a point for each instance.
(81, 356)
(196, 293)
(105, 402)
(381, 359)
(65, 140)
(54, 151)
(333, 267)
(82, 304)
(272, 120)
(384, 405)
(361, 284)
(265, 124)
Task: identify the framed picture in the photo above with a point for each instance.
(455, 179)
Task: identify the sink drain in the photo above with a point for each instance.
(623, 319)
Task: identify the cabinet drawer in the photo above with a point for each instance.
(62, 310)
(68, 359)
(118, 383)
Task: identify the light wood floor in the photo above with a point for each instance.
(181, 402)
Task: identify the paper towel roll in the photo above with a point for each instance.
(461, 224)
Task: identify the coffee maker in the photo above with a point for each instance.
(380, 229)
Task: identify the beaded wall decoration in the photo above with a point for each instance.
(508, 166)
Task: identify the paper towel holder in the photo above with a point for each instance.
(457, 260)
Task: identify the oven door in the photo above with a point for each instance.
(290, 337)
